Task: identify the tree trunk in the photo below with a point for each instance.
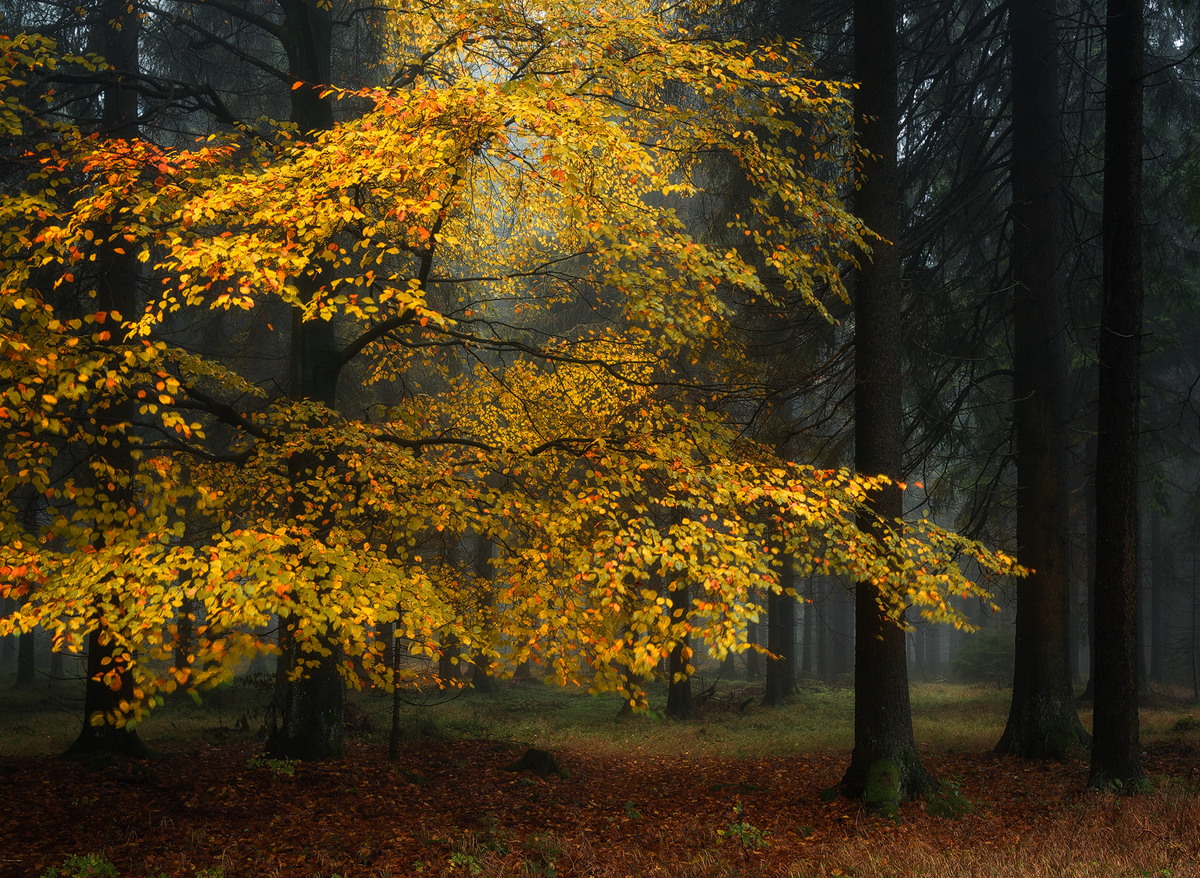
(1194, 628)
(449, 659)
(884, 767)
(679, 673)
(933, 652)
(309, 721)
(310, 707)
(1116, 746)
(680, 703)
(1160, 577)
(753, 660)
(185, 634)
(8, 647)
(781, 640)
(1042, 722)
(26, 670)
(1089, 541)
(839, 626)
(101, 704)
(808, 631)
(481, 676)
(115, 35)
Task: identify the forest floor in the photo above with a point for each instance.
(726, 795)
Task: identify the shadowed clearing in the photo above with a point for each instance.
(731, 794)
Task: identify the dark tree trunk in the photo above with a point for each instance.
(1160, 577)
(307, 41)
(8, 647)
(481, 676)
(1116, 746)
(679, 673)
(387, 633)
(1042, 722)
(781, 640)
(823, 637)
(396, 728)
(808, 630)
(26, 652)
(753, 660)
(839, 633)
(1194, 628)
(101, 732)
(1089, 542)
(309, 721)
(310, 707)
(115, 36)
(185, 634)
(884, 767)
(679, 684)
(448, 662)
(26, 666)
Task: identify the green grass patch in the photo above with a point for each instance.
(818, 718)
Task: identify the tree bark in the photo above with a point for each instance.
(753, 660)
(808, 631)
(101, 704)
(884, 767)
(1116, 746)
(1156, 597)
(680, 703)
(115, 35)
(309, 722)
(1042, 722)
(781, 641)
(310, 707)
(481, 677)
(8, 646)
(26, 669)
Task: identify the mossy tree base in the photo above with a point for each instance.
(1045, 729)
(884, 782)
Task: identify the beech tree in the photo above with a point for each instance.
(490, 244)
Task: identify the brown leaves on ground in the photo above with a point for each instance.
(451, 808)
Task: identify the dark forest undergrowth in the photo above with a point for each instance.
(732, 793)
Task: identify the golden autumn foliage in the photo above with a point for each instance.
(496, 247)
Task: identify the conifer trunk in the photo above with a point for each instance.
(1116, 747)
(310, 707)
(884, 767)
(1042, 722)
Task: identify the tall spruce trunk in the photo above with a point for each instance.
(309, 708)
(884, 767)
(1116, 746)
(1042, 722)
(116, 31)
